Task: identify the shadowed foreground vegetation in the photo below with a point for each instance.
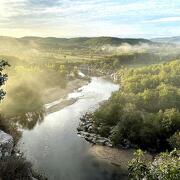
(18, 168)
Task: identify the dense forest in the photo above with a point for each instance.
(145, 111)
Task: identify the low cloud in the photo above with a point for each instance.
(161, 49)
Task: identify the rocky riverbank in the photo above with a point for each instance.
(103, 148)
(92, 133)
(87, 130)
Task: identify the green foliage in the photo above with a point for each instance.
(146, 109)
(3, 77)
(165, 166)
(118, 61)
(137, 167)
(174, 140)
(104, 131)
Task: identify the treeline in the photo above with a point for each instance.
(145, 111)
(109, 64)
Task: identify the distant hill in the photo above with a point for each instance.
(52, 49)
(52, 42)
(174, 40)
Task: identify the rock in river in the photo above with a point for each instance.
(6, 144)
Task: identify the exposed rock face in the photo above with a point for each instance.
(6, 144)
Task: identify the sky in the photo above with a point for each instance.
(80, 18)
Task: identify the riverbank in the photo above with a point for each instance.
(115, 156)
(103, 148)
(97, 134)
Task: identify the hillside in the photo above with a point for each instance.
(53, 42)
(52, 49)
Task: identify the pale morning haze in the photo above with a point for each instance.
(72, 18)
(89, 89)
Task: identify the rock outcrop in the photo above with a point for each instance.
(6, 144)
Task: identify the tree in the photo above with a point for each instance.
(3, 77)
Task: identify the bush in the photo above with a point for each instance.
(104, 131)
(175, 140)
(164, 167)
(137, 167)
(17, 168)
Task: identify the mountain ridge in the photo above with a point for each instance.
(82, 41)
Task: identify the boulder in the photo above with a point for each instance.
(90, 129)
(101, 142)
(6, 144)
(109, 144)
(80, 128)
(86, 134)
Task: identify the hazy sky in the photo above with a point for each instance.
(71, 18)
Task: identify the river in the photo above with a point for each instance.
(54, 147)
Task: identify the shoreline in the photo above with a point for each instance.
(115, 156)
(103, 148)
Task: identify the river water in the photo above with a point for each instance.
(54, 147)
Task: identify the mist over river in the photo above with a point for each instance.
(54, 147)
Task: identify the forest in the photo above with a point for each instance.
(145, 111)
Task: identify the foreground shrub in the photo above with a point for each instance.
(175, 140)
(17, 168)
(165, 166)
